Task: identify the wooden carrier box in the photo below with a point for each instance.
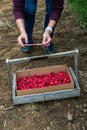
(69, 90)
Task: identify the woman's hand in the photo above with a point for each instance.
(23, 35)
(22, 38)
(46, 38)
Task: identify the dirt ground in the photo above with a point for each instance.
(65, 114)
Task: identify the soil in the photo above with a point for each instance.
(64, 114)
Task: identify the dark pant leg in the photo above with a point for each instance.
(30, 10)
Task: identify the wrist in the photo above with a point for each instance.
(49, 29)
(22, 32)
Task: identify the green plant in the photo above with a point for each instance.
(80, 8)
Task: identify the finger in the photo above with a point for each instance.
(20, 42)
(26, 39)
(44, 40)
(47, 42)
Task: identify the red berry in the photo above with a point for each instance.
(43, 80)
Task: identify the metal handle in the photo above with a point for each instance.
(74, 53)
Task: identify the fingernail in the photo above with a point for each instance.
(26, 42)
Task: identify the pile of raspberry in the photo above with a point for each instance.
(43, 80)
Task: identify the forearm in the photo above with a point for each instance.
(20, 26)
(57, 7)
(46, 36)
(23, 35)
(50, 26)
(52, 23)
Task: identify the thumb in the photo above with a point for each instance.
(26, 39)
(44, 39)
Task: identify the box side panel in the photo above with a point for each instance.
(46, 96)
(46, 89)
(42, 70)
(70, 76)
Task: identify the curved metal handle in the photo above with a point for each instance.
(74, 53)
